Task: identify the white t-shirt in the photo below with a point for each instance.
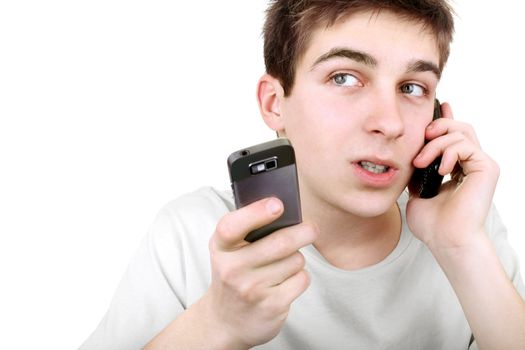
(404, 302)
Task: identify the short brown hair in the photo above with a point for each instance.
(290, 23)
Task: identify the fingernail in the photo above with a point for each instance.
(273, 206)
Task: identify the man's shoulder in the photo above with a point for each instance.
(192, 217)
(205, 200)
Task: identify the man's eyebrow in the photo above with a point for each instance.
(352, 54)
(362, 57)
(424, 66)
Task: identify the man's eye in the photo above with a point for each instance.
(345, 79)
(413, 89)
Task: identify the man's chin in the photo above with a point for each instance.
(371, 204)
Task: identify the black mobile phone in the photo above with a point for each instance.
(425, 182)
(262, 171)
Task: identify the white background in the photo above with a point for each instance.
(109, 109)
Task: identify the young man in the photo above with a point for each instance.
(351, 84)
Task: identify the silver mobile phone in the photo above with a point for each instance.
(262, 171)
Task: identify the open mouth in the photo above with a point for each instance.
(374, 168)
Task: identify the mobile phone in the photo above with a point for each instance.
(425, 182)
(262, 171)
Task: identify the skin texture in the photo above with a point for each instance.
(364, 91)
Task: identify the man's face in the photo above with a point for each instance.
(362, 97)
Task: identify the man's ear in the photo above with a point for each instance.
(270, 94)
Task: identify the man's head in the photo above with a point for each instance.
(290, 23)
(364, 83)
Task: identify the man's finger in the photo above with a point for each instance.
(233, 227)
(281, 244)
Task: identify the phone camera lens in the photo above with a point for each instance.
(244, 153)
(271, 164)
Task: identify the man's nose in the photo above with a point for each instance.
(385, 118)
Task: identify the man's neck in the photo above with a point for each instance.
(351, 243)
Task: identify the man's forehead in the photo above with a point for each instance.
(358, 32)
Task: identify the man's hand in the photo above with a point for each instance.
(458, 213)
(254, 284)
(452, 225)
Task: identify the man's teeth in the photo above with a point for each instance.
(374, 168)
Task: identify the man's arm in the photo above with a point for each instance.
(493, 307)
(252, 288)
(452, 225)
(195, 328)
